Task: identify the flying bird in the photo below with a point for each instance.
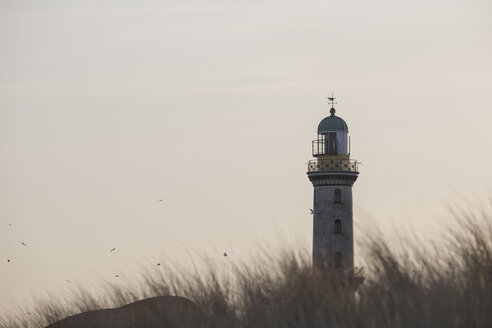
(23, 244)
(161, 200)
(311, 210)
(117, 276)
(112, 249)
(8, 260)
(158, 264)
(69, 281)
(225, 254)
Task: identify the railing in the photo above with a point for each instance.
(319, 147)
(326, 147)
(345, 165)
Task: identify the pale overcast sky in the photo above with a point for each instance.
(108, 106)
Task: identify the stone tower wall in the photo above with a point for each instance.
(326, 240)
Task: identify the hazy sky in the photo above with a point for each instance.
(108, 106)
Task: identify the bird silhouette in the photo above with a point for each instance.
(112, 249)
(23, 244)
(117, 276)
(8, 260)
(225, 254)
(69, 281)
(161, 200)
(158, 264)
(311, 210)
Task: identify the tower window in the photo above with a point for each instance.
(338, 260)
(332, 143)
(338, 196)
(338, 227)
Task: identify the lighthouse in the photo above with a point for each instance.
(333, 173)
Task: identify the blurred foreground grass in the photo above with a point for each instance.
(446, 285)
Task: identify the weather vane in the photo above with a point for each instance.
(331, 100)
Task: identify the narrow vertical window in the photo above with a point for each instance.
(332, 143)
(338, 259)
(338, 227)
(338, 196)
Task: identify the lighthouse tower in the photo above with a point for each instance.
(333, 174)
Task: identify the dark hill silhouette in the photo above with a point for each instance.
(155, 312)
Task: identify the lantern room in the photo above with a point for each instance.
(333, 137)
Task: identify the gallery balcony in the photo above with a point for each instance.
(341, 165)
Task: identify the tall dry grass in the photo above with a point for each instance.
(448, 285)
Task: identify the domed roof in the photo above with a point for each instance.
(332, 123)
